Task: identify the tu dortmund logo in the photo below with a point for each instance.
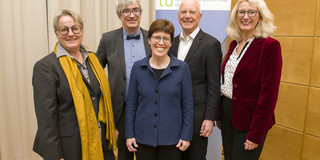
(167, 3)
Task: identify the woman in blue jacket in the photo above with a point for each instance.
(159, 113)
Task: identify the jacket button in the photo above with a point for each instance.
(234, 98)
(155, 126)
(155, 114)
(235, 85)
(155, 102)
(121, 93)
(124, 78)
(156, 91)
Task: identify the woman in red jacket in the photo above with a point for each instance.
(251, 77)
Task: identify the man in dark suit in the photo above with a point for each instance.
(119, 49)
(203, 54)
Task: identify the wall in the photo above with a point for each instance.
(26, 35)
(296, 135)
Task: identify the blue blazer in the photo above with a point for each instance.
(160, 112)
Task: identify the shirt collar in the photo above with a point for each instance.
(192, 35)
(63, 52)
(173, 61)
(249, 40)
(125, 33)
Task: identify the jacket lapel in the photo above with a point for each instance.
(195, 44)
(173, 63)
(175, 46)
(94, 83)
(249, 55)
(145, 41)
(120, 49)
(233, 44)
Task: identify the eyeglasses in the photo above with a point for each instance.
(127, 12)
(184, 12)
(251, 13)
(64, 30)
(157, 39)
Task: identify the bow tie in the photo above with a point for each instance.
(133, 37)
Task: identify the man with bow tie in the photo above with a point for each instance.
(119, 49)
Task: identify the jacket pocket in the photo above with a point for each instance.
(251, 103)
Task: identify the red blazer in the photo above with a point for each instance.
(255, 87)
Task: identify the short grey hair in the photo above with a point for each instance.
(66, 12)
(197, 5)
(125, 3)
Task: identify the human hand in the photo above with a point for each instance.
(206, 128)
(117, 134)
(183, 145)
(248, 145)
(130, 142)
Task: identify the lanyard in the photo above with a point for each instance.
(243, 50)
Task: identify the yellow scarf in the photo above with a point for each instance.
(89, 130)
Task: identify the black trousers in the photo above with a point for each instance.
(123, 152)
(108, 155)
(197, 149)
(145, 152)
(233, 140)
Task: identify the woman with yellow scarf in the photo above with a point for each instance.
(72, 98)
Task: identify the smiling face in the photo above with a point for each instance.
(189, 16)
(71, 42)
(130, 22)
(160, 47)
(246, 23)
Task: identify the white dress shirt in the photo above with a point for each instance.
(185, 44)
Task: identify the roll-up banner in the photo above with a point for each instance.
(215, 15)
(215, 18)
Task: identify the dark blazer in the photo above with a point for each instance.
(204, 60)
(58, 134)
(255, 87)
(111, 52)
(160, 112)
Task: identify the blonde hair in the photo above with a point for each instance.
(67, 12)
(264, 28)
